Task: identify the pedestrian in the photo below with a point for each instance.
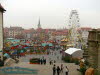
(43, 57)
(44, 61)
(50, 62)
(58, 70)
(55, 53)
(60, 52)
(62, 68)
(54, 69)
(41, 61)
(66, 70)
(57, 57)
(47, 53)
(54, 61)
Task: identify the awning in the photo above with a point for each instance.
(44, 44)
(50, 44)
(6, 55)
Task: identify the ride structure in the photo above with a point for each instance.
(74, 35)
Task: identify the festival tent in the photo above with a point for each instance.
(22, 51)
(74, 52)
(50, 44)
(7, 55)
(15, 44)
(44, 44)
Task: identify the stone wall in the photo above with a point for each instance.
(1, 34)
(99, 54)
(94, 48)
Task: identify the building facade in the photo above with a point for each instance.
(1, 31)
(94, 49)
(13, 32)
(84, 32)
(6, 32)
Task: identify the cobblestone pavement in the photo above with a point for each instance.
(47, 69)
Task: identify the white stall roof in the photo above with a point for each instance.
(72, 50)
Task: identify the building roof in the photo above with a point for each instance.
(16, 29)
(95, 30)
(86, 28)
(72, 50)
(60, 33)
(1, 8)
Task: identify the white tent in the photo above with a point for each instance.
(74, 52)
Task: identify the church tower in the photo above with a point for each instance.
(39, 25)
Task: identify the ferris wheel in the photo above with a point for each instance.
(74, 21)
(74, 25)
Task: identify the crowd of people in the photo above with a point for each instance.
(57, 70)
(51, 62)
(42, 61)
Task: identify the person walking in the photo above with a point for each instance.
(57, 57)
(58, 70)
(54, 61)
(50, 62)
(44, 61)
(66, 70)
(54, 69)
(62, 68)
(41, 61)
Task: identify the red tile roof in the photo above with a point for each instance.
(28, 31)
(86, 28)
(59, 33)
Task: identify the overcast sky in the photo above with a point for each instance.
(52, 13)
